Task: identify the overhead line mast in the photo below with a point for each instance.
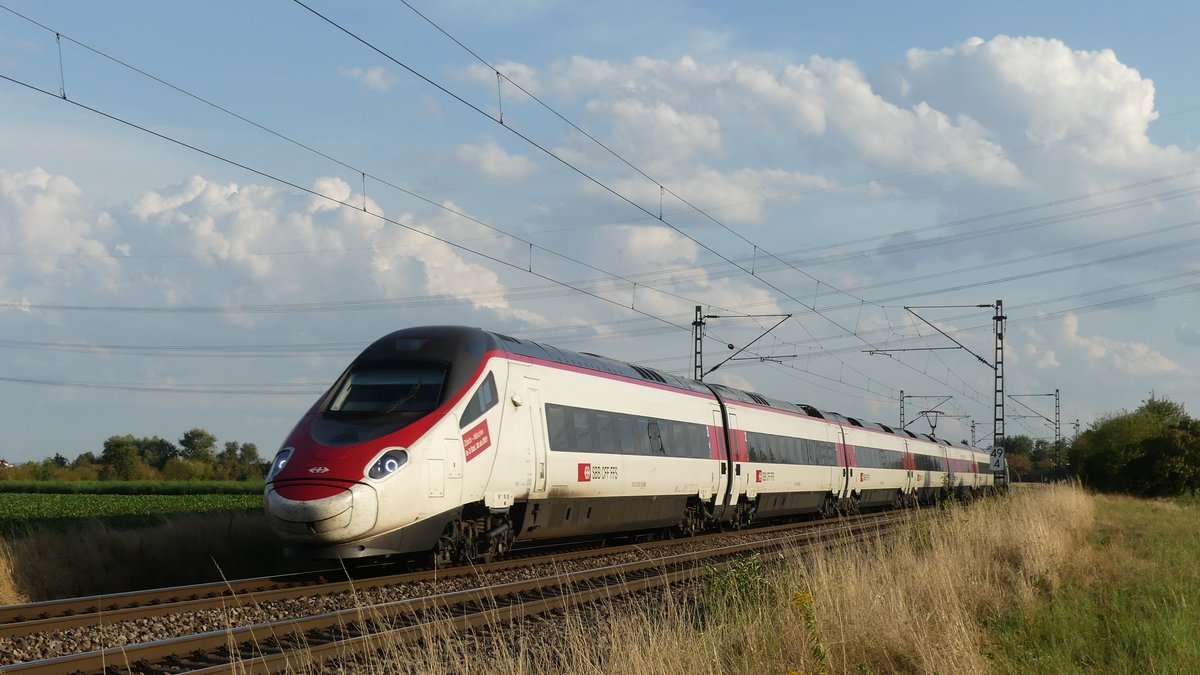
(999, 466)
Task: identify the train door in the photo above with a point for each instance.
(845, 454)
(910, 469)
(722, 467)
(738, 455)
(452, 469)
(537, 420)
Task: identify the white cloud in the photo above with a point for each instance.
(735, 197)
(1042, 357)
(493, 161)
(375, 77)
(655, 246)
(202, 242)
(1134, 358)
(61, 237)
(659, 135)
(1040, 90)
(698, 100)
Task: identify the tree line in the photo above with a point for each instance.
(1153, 451)
(195, 457)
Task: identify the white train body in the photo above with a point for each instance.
(463, 441)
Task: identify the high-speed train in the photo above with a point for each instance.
(460, 442)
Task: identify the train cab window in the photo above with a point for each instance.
(381, 391)
(485, 397)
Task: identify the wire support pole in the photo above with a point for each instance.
(1057, 421)
(999, 466)
(1057, 430)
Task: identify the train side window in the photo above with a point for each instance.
(827, 453)
(556, 419)
(641, 430)
(699, 441)
(656, 439)
(582, 424)
(485, 397)
(679, 440)
(625, 433)
(606, 433)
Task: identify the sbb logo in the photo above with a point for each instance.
(585, 472)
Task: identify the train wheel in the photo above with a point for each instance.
(693, 521)
(456, 545)
(498, 541)
(829, 507)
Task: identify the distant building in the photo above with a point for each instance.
(5, 464)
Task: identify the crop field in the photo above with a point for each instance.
(134, 487)
(19, 511)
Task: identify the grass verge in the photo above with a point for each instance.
(995, 587)
(1132, 605)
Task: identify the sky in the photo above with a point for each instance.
(208, 209)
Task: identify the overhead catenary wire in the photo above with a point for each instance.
(295, 186)
(585, 174)
(1142, 201)
(342, 202)
(847, 332)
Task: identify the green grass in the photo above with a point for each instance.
(20, 511)
(1134, 605)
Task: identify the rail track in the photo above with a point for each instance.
(431, 602)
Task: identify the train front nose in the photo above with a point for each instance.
(321, 512)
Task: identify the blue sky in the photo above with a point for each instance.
(889, 155)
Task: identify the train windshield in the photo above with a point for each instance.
(382, 391)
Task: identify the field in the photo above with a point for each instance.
(1051, 580)
(19, 511)
(133, 487)
(75, 538)
(63, 504)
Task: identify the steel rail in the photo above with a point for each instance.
(54, 615)
(276, 643)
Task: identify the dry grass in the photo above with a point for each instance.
(916, 602)
(9, 593)
(919, 602)
(50, 563)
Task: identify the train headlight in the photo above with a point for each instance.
(389, 463)
(279, 462)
